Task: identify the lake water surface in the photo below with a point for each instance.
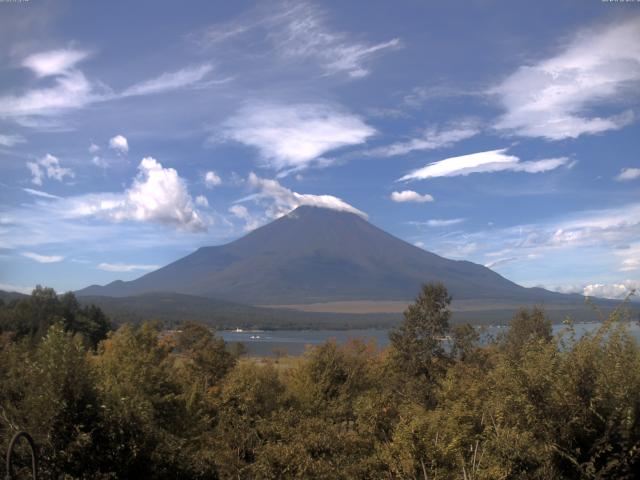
(295, 342)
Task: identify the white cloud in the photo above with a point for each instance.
(99, 162)
(298, 32)
(211, 179)
(125, 267)
(119, 143)
(169, 81)
(11, 140)
(71, 90)
(202, 201)
(552, 98)
(39, 193)
(629, 258)
(432, 139)
(54, 62)
(443, 222)
(241, 212)
(304, 34)
(483, 162)
(93, 148)
(48, 166)
(627, 174)
(294, 136)
(43, 258)
(612, 291)
(158, 195)
(500, 261)
(7, 287)
(591, 240)
(280, 200)
(410, 196)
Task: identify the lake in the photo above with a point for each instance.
(295, 342)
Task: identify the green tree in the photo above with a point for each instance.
(417, 349)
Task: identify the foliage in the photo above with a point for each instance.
(434, 405)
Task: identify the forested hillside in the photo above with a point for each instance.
(141, 403)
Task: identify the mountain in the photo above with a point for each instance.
(315, 255)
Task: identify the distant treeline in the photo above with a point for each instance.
(140, 403)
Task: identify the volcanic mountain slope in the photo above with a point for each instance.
(319, 255)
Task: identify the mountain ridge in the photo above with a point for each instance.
(314, 255)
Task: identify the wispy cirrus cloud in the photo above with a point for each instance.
(40, 193)
(483, 162)
(292, 137)
(186, 77)
(554, 98)
(299, 32)
(437, 222)
(43, 258)
(72, 90)
(608, 235)
(125, 267)
(432, 139)
(11, 140)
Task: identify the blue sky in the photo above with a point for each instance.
(505, 133)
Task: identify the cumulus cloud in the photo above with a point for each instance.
(410, 196)
(612, 290)
(48, 166)
(483, 162)
(202, 201)
(11, 140)
(157, 194)
(169, 81)
(432, 139)
(93, 148)
(43, 258)
(119, 143)
(279, 200)
(125, 267)
(211, 179)
(552, 98)
(627, 174)
(294, 136)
